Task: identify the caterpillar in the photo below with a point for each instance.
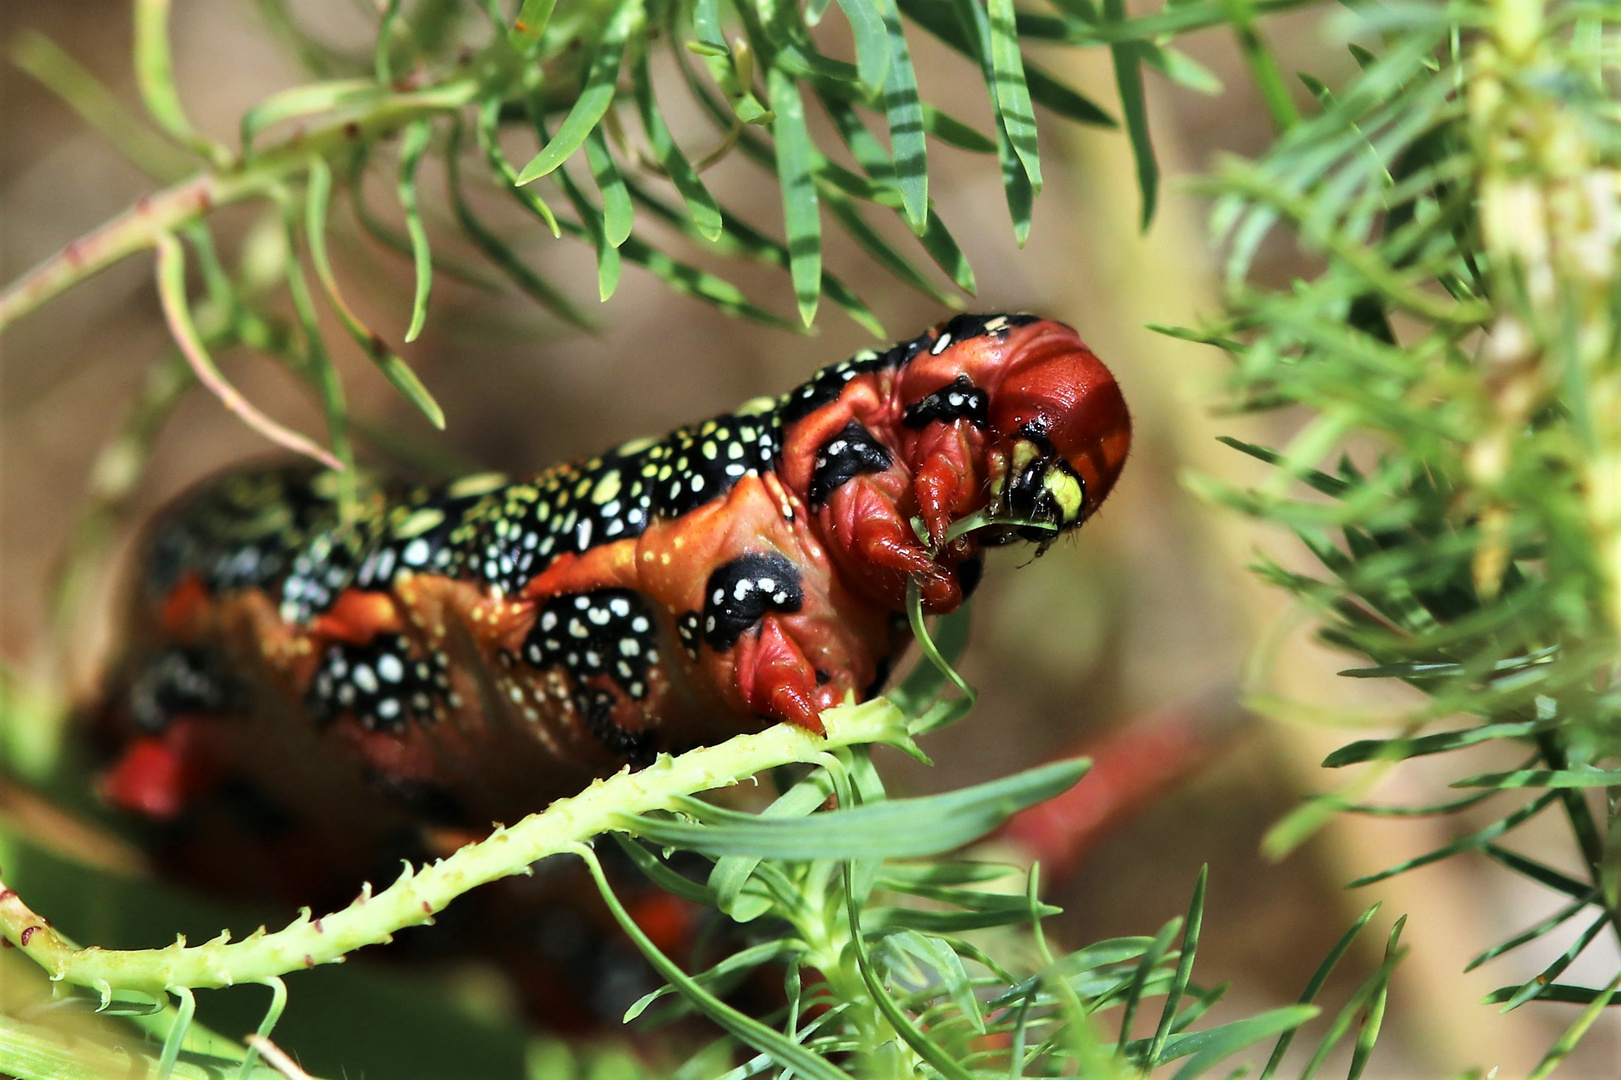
(465, 653)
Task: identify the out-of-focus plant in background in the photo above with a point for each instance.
(1444, 337)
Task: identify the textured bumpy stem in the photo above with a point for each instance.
(421, 892)
(165, 212)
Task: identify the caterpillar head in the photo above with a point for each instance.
(1050, 422)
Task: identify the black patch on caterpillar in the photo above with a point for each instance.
(596, 712)
(575, 507)
(433, 803)
(961, 400)
(966, 326)
(686, 627)
(379, 683)
(826, 385)
(603, 632)
(852, 452)
(741, 592)
(178, 680)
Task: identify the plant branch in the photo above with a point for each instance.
(421, 892)
(171, 209)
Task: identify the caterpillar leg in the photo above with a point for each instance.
(777, 680)
(880, 537)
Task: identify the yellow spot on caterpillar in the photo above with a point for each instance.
(635, 446)
(607, 488)
(756, 406)
(420, 522)
(1066, 492)
(710, 450)
(477, 484)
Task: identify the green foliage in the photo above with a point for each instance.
(575, 82)
(1461, 194)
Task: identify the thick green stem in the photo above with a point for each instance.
(420, 893)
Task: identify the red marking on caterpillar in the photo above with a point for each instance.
(454, 655)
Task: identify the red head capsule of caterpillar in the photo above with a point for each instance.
(1021, 422)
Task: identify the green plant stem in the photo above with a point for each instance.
(421, 892)
(166, 211)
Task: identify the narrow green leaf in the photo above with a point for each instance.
(1139, 979)
(732, 872)
(722, 977)
(952, 132)
(700, 283)
(530, 24)
(662, 875)
(171, 281)
(1473, 841)
(396, 241)
(927, 679)
(741, 239)
(1128, 77)
(382, 65)
(1439, 743)
(849, 217)
(1532, 988)
(489, 140)
(318, 361)
(1180, 68)
(1572, 1035)
(1538, 929)
(497, 251)
(1214, 1046)
(591, 225)
(1012, 95)
(897, 828)
(1539, 872)
(942, 248)
(596, 94)
(706, 25)
(154, 78)
(316, 201)
(745, 1028)
(94, 102)
(925, 1048)
(1565, 993)
(907, 117)
(1184, 970)
(801, 214)
(1543, 778)
(413, 144)
(940, 956)
(700, 204)
(306, 101)
(617, 214)
(976, 31)
(872, 37)
(1315, 984)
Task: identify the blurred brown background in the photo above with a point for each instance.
(1151, 609)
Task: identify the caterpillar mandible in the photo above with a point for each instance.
(465, 653)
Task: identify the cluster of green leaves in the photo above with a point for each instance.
(896, 957)
(1456, 193)
(590, 85)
